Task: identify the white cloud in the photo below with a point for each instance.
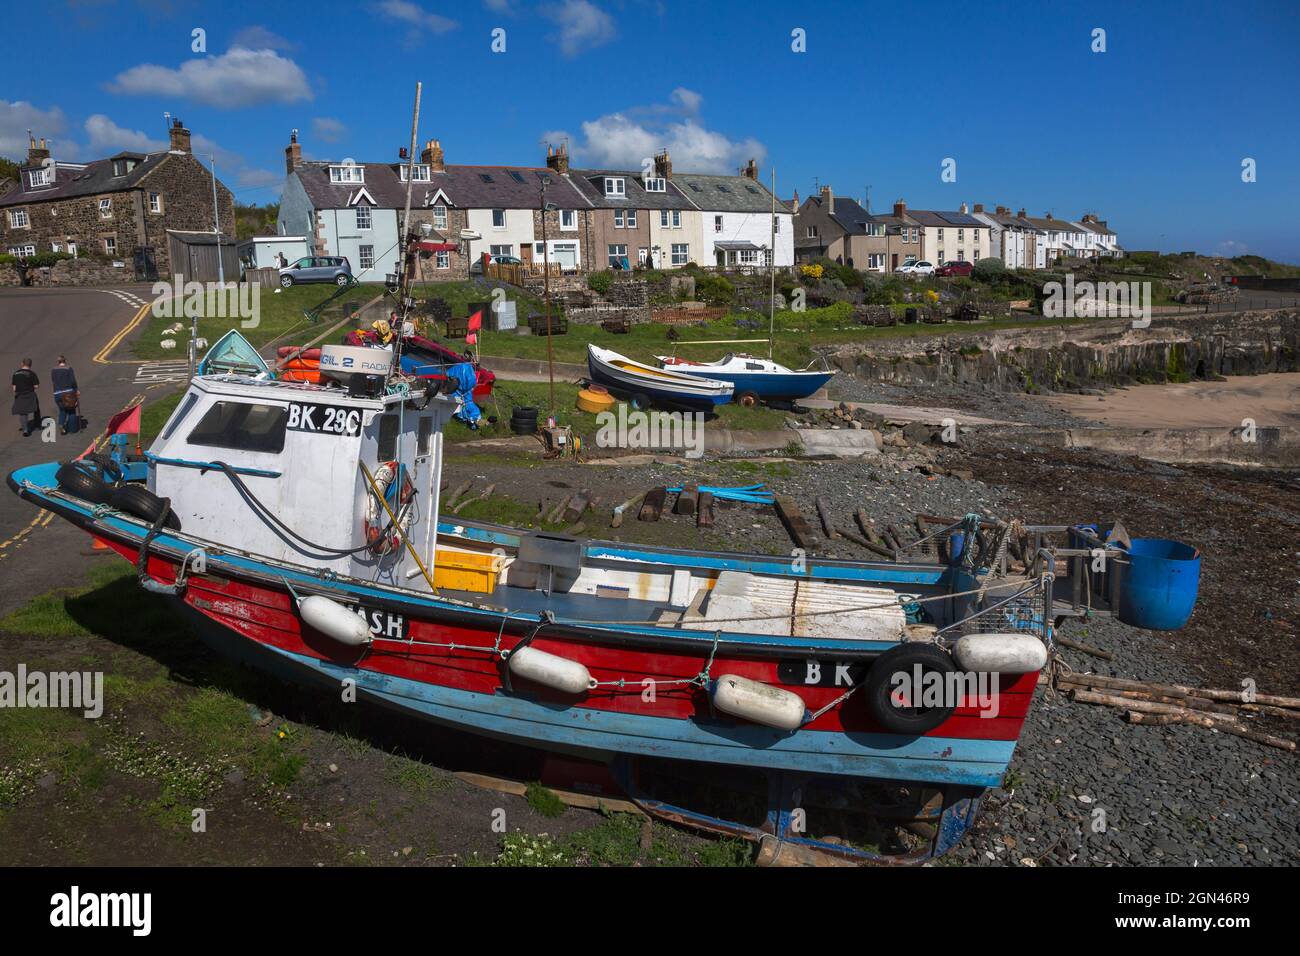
(237, 78)
(583, 25)
(328, 130)
(106, 137)
(1230, 248)
(18, 117)
(260, 38)
(500, 6)
(416, 17)
(626, 139)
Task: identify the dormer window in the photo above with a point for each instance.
(419, 173)
(347, 174)
(615, 186)
(40, 177)
(122, 166)
(656, 184)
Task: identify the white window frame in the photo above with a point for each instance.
(421, 173)
(56, 246)
(155, 202)
(345, 175)
(615, 252)
(681, 253)
(22, 251)
(776, 225)
(363, 255)
(811, 232)
(360, 210)
(442, 260)
(110, 245)
(717, 224)
(440, 216)
(569, 220)
(677, 219)
(37, 178)
(631, 218)
(655, 184)
(18, 219)
(505, 249)
(615, 186)
(748, 257)
(663, 218)
(106, 208)
(618, 219)
(502, 223)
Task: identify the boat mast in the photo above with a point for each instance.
(771, 307)
(405, 231)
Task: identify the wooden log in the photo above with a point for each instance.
(704, 510)
(1176, 690)
(1161, 720)
(1270, 711)
(1224, 726)
(1192, 703)
(863, 542)
(575, 528)
(621, 510)
(1109, 700)
(795, 524)
(687, 499)
(463, 487)
(1085, 648)
(653, 506)
(554, 516)
(869, 528)
(467, 500)
(578, 505)
(824, 513)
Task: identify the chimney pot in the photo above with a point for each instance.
(36, 154)
(431, 156)
(292, 153)
(979, 207)
(663, 165)
(751, 170)
(558, 161)
(828, 198)
(964, 209)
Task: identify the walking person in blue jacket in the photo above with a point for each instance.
(66, 396)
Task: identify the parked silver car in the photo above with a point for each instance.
(335, 269)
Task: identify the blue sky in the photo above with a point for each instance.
(1150, 134)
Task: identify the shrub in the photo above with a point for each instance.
(989, 267)
(850, 276)
(600, 281)
(714, 289)
(813, 272)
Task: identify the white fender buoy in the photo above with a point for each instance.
(1000, 653)
(334, 620)
(758, 702)
(550, 670)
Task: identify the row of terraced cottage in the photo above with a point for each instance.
(142, 210)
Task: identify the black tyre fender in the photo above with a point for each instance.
(87, 479)
(746, 399)
(641, 402)
(880, 684)
(140, 501)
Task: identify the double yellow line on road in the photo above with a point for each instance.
(102, 356)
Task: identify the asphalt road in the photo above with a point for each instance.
(38, 552)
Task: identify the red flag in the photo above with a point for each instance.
(475, 321)
(125, 421)
(471, 339)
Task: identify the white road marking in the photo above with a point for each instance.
(158, 372)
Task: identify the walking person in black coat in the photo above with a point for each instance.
(66, 396)
(27, 404)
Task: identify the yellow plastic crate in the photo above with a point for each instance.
(467, 571)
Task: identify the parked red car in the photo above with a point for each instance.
(955, 268)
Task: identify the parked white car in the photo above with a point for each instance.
(916, 268)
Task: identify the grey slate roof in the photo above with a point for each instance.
(939, 218)
(1053, 225)
(96, 177)
(1097, 227)
(466, 187)
(726, 193)
(590, 183)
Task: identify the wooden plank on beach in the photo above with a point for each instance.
(795, 524)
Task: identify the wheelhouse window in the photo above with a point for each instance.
(388, 431)
(179, 416)
(243, 426)
(363, 217)
(424, 437)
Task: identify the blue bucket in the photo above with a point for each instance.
(1160, 584)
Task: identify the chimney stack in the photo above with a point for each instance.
(663, 165)
(431, 156)
(292, 153)
(180, 137)
(964, 210)
(979, 207)
(900, 209)
(1003, 211)
(557, 160)
(1022, 215)
(1048, 216)
(795, 201)
(750, 171)
(36, 154)
(828, 198)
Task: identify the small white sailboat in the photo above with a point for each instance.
(649, 385)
